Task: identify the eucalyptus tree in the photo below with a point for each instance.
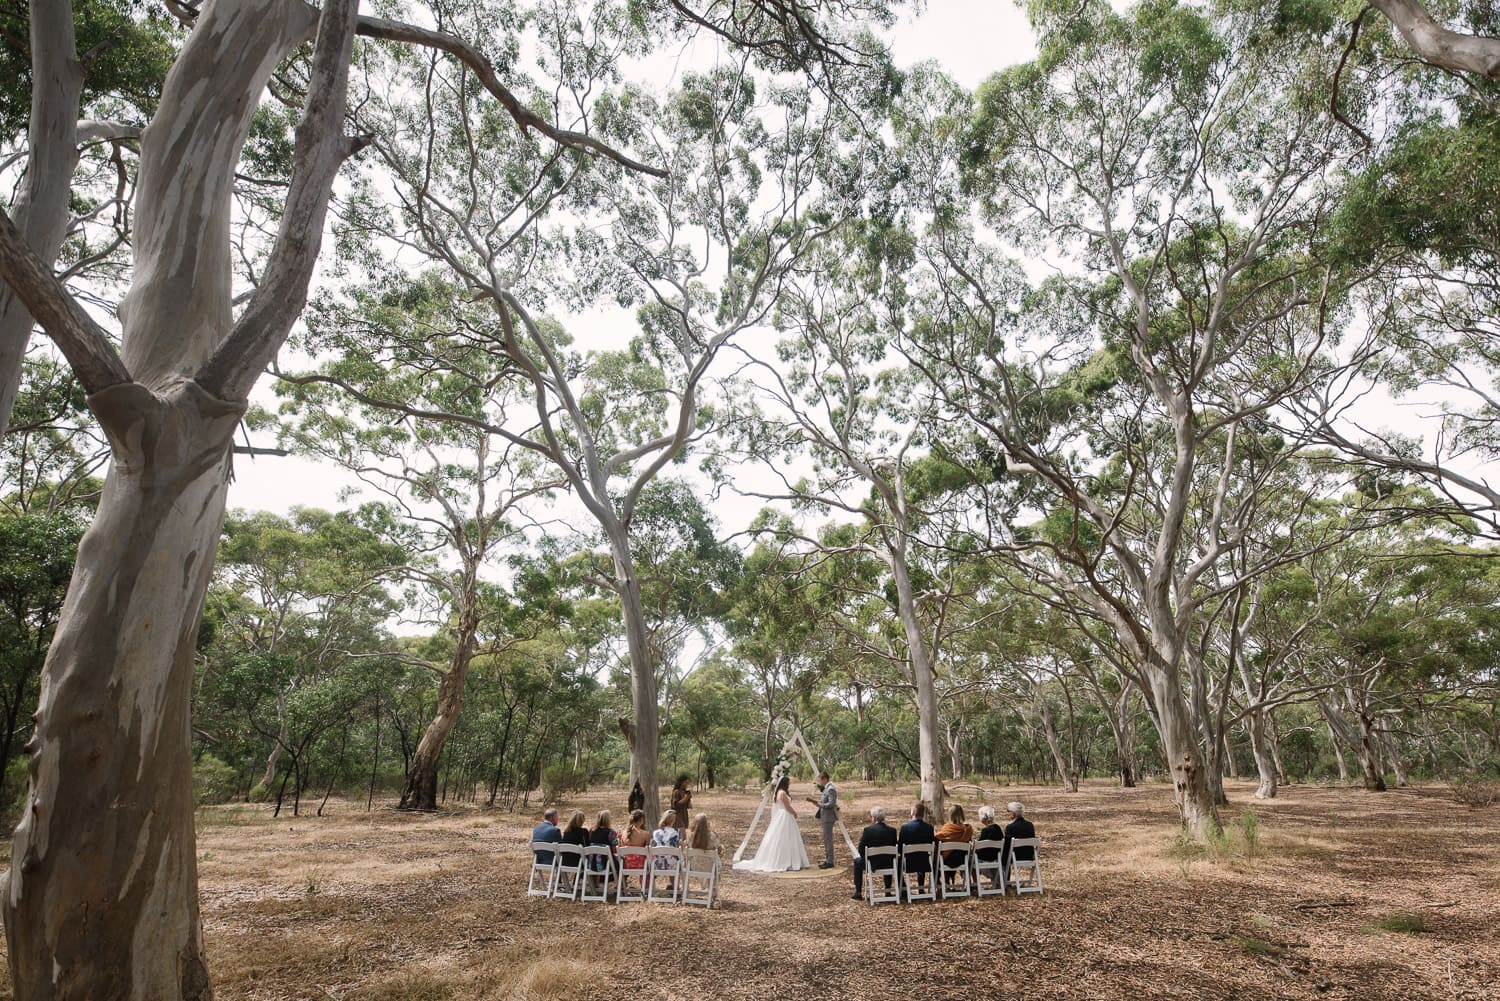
(401, 404)
(112, 724)
(1173, 163)
(874, 428)
(702, 255)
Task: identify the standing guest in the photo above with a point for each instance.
(700, 837)
(637, 799)
(636, 836)
(827, 815)
(1019, 827)
(603, 835)
(955, 830)
(878, 834)
(917, 831)
(682, 801)
(546, 831)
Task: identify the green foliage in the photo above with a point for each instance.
(214, 782)
(131, 44)
(563, 779)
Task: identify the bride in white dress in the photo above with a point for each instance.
(781, 849)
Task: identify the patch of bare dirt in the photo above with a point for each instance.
(1349, 896)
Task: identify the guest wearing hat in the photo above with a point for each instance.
(1019, 827)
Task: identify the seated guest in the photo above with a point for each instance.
(604, 835)
(547, 831)
(577, 831)
(878, 834)
(1019, 827)
(636, 836)
(954, 830)
(991, 831)
(917, 831)
(700, 837)
(667, 836)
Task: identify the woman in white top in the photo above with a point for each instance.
(781, 849)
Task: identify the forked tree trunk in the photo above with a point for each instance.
(421, 788)
(101, 897)
(1260, 746)
(102, 900)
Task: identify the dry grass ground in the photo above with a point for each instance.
(1349, 895)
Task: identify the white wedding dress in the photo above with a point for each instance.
(781, 849)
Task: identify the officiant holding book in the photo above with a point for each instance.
(828, 815)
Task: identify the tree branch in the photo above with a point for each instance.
(84, 343)
(320, 151)
(1438, 45)
(397, 31)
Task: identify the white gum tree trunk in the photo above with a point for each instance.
(40, 209)
(1260, 746)
(647, 747)
(1184, 757)
(101, 898)
(928, 748)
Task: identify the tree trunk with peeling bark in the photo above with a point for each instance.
(101, 898)
(1184, 758)
(1260, 747)
(647, 746)
(421, 790)
(929, 758)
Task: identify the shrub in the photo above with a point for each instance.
(1250, 831)
(1476, 792)
(213, 781)
(561, 779)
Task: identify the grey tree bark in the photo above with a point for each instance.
(40, 210)
(101, 898)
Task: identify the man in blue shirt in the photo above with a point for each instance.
(547, 830)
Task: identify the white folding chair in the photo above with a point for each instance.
(881, 885)
(544, 869)
(703, 867)
(631, 884)
(909, 878)
(958, 870)
(1025, 874)
(663, 874)
(598, 870)
(995, 869)
(569, 869)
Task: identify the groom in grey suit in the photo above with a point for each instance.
(828, 815)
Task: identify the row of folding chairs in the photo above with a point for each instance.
(965, 875)
(599, 874)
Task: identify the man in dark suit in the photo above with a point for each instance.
(878, 834)
(1019, 827)
(547, 830)
(917, 831)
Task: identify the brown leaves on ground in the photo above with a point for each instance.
(1349, 895)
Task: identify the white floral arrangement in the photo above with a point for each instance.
(783, 766)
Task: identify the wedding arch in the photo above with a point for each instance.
(792, 744)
